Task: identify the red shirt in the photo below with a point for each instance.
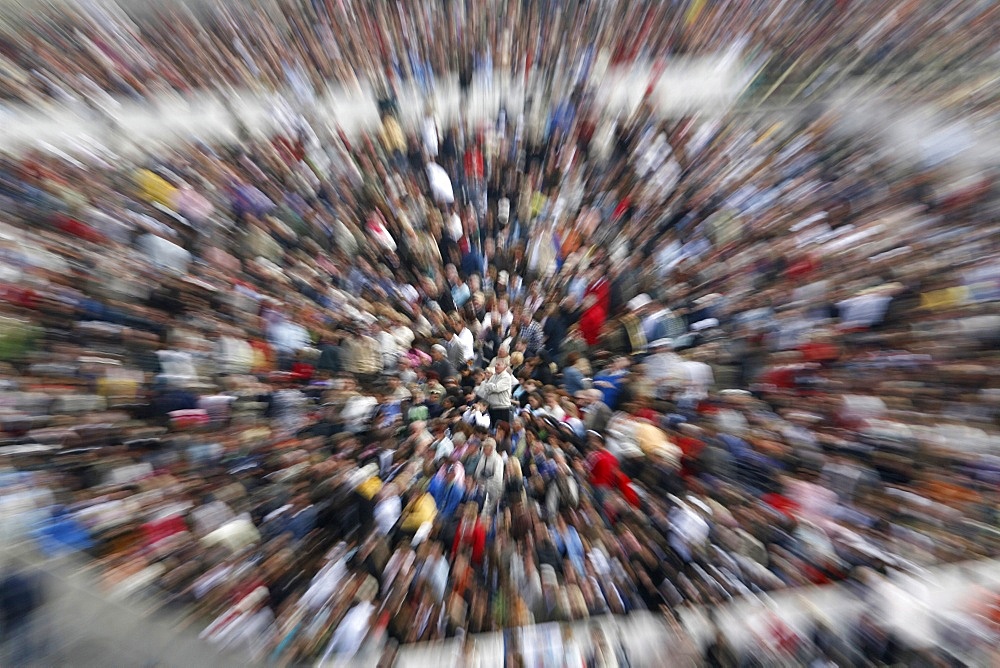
(302, 372)
(474, 536)
(601, 291)
(603, 469)
(819, 351)
(474, 163)
(591, 323)
(647, 414)
(690, 449)
(604, 472)
(74, 227)
(782, 504)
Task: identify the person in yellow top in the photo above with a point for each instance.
(154, 188)
(654, 442)
(370, 487)
(392, 137)
(419, 511)
(944, 299)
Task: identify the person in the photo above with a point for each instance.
(470, 536)
(596, 413)
(611, 380)
(442, 366)
(605, 473)
(355, 626)
(448, 489)
(514, 499)
(489, 473)
(574, 377)
(329, 363)
(496, 391)
(443, 445)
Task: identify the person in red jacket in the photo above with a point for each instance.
(302, 370)
(592, 320)
(605, 473)
(600, 288)
(471, 534)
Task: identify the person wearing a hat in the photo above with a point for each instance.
(661, 323)
(625, 335)
(664, 367)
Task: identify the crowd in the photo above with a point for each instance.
(89, 51)
(323, 394)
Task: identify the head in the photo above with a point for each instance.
(489, 447)
(514, 468)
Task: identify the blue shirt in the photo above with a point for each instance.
(447, 496)
(570, 546)
(615, 378)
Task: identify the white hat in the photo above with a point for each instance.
(437, 347)
(638, 302)
(662, 343)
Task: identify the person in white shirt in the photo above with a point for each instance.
(460, 344)
(435, 571)
(497, 391)
(430, 133)
(388, 509)
(356, 412)
(440, 183)
(620, 436)
(235, 354)
(489, 473)
(287, 338)
(477, 415)
(664, 368)
(388, 347)
(535, 298)
(552, 408)
(698, 380)
(355, 625)
(443, 446)
(328, 580)
(501, 313)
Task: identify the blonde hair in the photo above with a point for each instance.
(514, 468)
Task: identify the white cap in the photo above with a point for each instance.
(638, 302)
(707, 323)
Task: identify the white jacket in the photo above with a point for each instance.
(497, 390)
(495, 480)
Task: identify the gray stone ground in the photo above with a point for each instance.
(81, 628)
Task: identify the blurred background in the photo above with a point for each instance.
(279, 279)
